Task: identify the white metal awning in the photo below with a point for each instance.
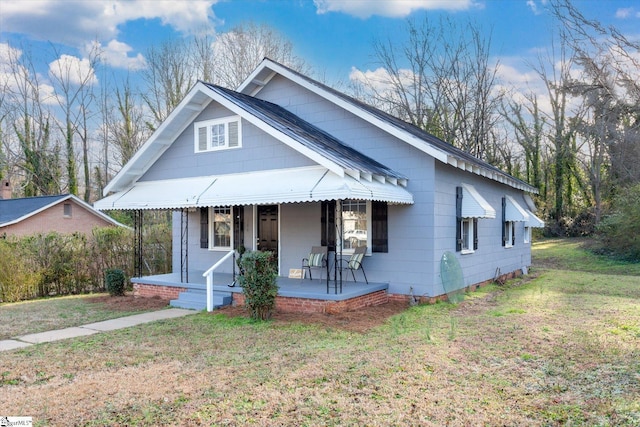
(514, 212)
(295, 185)
(474, 205)
(534, 221)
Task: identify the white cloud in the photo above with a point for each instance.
(380, 80)
(74, 70)
(628, 12)
(624, 13)
(76, 21)
(9, 57)
(14, 75)
(116, 54)
(533, 5)
(390, 8)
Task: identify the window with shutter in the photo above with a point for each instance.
(219, 134)
(466, 228)
(364, 223)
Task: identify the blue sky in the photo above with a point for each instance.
(333, 36)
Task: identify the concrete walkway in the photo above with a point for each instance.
(92, 328)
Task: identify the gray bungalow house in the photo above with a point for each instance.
(286, 163)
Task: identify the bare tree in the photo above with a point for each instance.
(441, 80)
(610, 85)
(36, 158)
(127, 131)
(555, 71)
(174, 67)
(239, 51)
(528, 127)
(170, 74)
(73, 81)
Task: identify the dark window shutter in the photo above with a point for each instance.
(328, 223)
(458, 219)
(379, 227)
(504, 222)
(513, 234)
(204, 228)
(238, 226)
(475, 234)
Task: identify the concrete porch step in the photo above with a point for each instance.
(196, 299)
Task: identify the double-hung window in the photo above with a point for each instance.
(364, 223)
(509, 237)
(222, 228)
(468, 225)
(220, 134)
(356, 217)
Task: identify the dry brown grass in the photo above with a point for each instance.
(562, 349)
(56, 313)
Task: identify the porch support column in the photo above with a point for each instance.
(137, 242)
(184, 245)
(340, 238)
(337, 254)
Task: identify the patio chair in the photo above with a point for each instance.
(354, 263)
(317, 259)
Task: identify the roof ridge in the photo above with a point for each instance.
(416, 131)
(309, 134)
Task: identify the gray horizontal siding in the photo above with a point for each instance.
(259, 151)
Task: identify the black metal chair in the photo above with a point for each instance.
(354, 263)
(317, 259)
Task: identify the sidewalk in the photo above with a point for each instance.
(92, 328)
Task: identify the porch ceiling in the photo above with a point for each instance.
(294, 185)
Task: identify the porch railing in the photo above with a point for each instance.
(209, 275)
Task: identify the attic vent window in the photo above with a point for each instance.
(220, 134)
(67, 210)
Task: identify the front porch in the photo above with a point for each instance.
(294, 295)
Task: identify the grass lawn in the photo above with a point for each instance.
(42, 315)
(561, 347)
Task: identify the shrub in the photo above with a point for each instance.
(19, 277)
(258, 283)
(113, 248)
(584, 224)
(619, 230)
(115, 281)
(581, 226)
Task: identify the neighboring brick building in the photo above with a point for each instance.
(63, 213)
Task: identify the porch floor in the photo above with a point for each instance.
(293, 288)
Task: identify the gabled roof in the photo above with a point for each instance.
(407, 132)
(309, 135)
(12, 211)
(276, 121)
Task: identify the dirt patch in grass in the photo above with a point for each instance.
(361, 320)
(128, 302)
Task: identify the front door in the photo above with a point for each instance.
(268, 228)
